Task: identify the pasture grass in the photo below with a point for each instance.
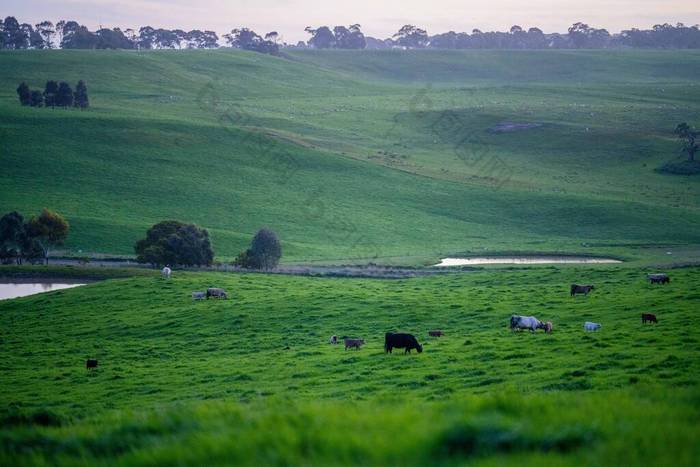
(253, 379)
(360, 156)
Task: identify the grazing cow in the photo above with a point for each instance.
(401, 341)
(354, 343)
(648, 317)
(525, 322)
(547, 327)
(165, 272)
(90, 363)
(216, 292)
(199, 295)
(436, 333)
(333, 340)
(660, 278)
(584, 289)
(588, 326)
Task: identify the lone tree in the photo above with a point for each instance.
(48, 230)
(688, 135)
(174, 242)
(25, 95)
(264, 253)
(80, 96)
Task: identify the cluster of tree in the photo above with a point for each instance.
(175, 243)
(578, 36)
(32, 240)
(247, 39)
(55, 95)
(340, 37)
(73, 35)
(150, 38)
(264, 253)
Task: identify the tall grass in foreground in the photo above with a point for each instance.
(645, 426)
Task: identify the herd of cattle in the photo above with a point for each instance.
(532, 324)
(409, 342)
(517, 322)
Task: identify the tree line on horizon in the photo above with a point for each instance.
(72, 35)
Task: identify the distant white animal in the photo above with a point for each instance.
(333, 340)
(525, 322)
(166, 271)
(199, 295)
(588, 326)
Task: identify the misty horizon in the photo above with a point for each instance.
(377, 21)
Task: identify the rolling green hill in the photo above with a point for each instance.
(253, 379)
(379, 156)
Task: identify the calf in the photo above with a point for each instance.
(588, 326)
(333, 340)
(401, 341)
(660, 278)
(198, 295)
(581, 289)
(436, 333)
(354, 343)
(648, 317)
(547, 327)
(90, 363)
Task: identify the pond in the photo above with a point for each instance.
(525, 260)
(22, 289)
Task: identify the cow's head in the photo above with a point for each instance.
(419, 348)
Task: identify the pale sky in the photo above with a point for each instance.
(379, 18)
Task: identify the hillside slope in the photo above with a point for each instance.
(382, 156)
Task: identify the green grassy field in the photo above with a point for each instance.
(361, 156)
(253, 380)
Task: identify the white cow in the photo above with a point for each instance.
(333, 340)
(199, 295)
(589, 326)
(166, 271)
(525, 322)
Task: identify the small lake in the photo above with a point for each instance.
(525, 260)
(22, 289)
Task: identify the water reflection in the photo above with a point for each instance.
(525, 260)
(22, 289)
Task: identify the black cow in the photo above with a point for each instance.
(584, 289)
(90, 363)
(401, 341)
(660, 278)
